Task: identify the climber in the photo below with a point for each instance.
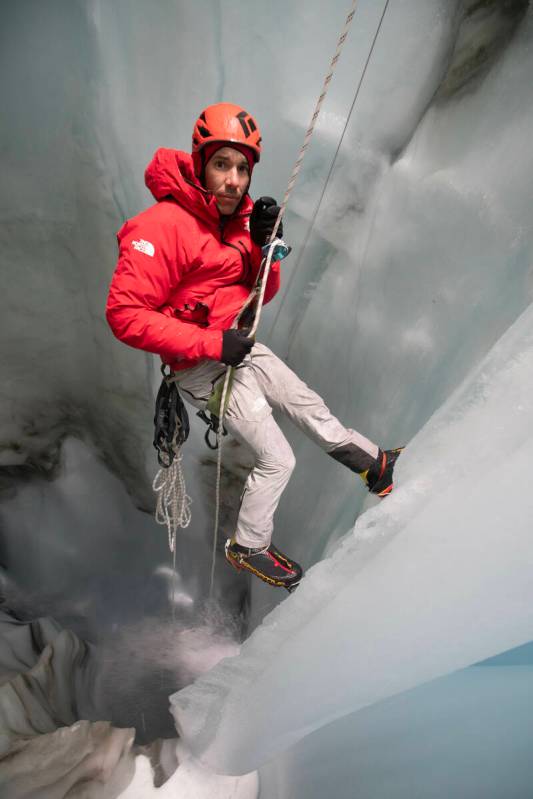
(186, 265)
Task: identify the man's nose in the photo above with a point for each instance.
(232, 177)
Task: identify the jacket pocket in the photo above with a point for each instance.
(195, 313)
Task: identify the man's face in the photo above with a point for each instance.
(227, 175)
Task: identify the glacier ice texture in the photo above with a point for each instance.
(467, 734)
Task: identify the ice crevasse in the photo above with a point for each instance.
(419, 260)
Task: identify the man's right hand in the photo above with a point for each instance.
(235, 346)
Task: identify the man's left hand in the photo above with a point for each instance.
(262, 220)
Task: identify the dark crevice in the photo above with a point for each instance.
(485, 31)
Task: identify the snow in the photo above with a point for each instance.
(189, 781)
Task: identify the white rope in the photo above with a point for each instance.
(173, 507)
(311, 225)
(299, 161)
(220, 435)
(264, 272)
(310, 129)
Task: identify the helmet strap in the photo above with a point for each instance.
(203, 163)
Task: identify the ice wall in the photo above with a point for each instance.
(79, 101)
(465, 735)
(420, 256)
(435, 579)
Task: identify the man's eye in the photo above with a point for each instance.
(244, 169)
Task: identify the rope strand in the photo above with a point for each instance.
(173, 508)
(220, 435)
(316, 112)
(264, 272)
(311, 225)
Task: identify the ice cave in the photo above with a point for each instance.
(402, 666)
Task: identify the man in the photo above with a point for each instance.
(185, 268)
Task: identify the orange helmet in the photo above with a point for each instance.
(225, 122)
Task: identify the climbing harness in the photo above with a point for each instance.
(256, 296)
(211, 414)
(171, 430)
(213, 423)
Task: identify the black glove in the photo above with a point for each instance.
(235, 346)
(262, 220)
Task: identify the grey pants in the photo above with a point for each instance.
(263, 382)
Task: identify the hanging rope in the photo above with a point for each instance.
(311, 225)
(173, 507)
(310, 129)
(259, 289)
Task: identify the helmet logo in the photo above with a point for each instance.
(247, 123)
(204, 131)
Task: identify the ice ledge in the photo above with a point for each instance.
(432, 580)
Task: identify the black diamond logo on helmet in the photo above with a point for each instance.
(245, 119)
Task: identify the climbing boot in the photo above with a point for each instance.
(378, 478)
(267, 563)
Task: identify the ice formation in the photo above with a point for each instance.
(418, 261)
(464, 735)
(433, 580)
(189, 781)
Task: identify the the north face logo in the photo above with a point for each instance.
(144, 246)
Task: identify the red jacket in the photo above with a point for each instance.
(182, 274)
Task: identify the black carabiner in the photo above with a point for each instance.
(208, 440)
(213, 426)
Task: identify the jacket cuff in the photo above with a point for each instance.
(212, 344)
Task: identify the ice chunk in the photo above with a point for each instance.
(189, 781)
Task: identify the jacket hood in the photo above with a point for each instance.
(171, 173)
